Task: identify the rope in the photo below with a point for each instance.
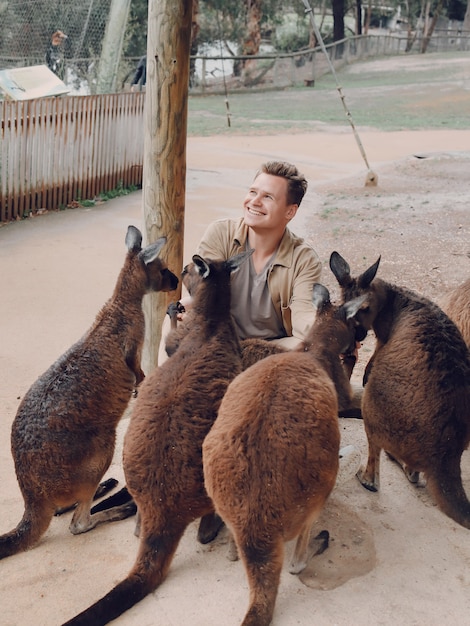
(227, 104)
(309, 10)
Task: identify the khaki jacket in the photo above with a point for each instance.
(290, 280)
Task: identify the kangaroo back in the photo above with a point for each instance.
(416, 402)
(271, 458)
(63, 434)
(457, 306)
(176, 406)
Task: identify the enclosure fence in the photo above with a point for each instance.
(55, 151)
(214, 74)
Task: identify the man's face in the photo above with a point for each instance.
(265, 205)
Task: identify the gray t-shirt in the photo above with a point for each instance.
(252, 307)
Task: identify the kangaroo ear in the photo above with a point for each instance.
(368, 276)
(320, 296)
(151, 252)
(133, 239)
(353, 306)
(234, 262)
(202, 266)
(340, 269)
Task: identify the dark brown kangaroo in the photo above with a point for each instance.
(64, 432)
(271, 458)
(416, 402)
(176, 406)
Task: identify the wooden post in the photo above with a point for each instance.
(164, 170)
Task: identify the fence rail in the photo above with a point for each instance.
(278, 71)
(58, 150)
(55, 151)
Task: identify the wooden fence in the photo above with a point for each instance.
(55, 151)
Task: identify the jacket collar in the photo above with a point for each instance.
(285, 252)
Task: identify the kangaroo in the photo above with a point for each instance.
(457, 306)
(64, 432)
(271, 458)
(416, 402)
(162, 456)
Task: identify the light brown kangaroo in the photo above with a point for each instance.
(64, 432)
(416, 402)
(162, 457)
(271, 458)
(457, 306)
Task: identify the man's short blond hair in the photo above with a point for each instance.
(296, 182)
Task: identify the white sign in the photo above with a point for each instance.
(27, 83)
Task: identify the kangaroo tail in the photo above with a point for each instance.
(124, 596)
(447, 489)
(33, 525)
(153, 562)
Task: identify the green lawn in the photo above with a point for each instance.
(394, 93)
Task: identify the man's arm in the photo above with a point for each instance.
(307, 272)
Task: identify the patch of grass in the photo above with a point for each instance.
(87, 203)
(408, 93)
(328, 212)
(118, 191)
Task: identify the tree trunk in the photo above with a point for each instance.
(338, 19)
(411, 21)
(164, 173)
(429, 31)
(194, 42)
(312, 38)
(358, 17)
(112, 46)
(466, 19)
(367, 20)
(251, 42)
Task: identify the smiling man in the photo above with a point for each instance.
(272, 292)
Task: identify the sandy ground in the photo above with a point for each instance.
(394, 558)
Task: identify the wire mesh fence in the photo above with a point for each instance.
(216, 74)
(27, 38)
(68, 36)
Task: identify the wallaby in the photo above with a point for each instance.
(416, 401)
(271, 458)
(64, 432)
(162, 456)
(457, 306)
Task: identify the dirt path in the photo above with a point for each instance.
(395, 559)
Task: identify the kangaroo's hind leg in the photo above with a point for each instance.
(369, 476)
(83, 520)
(263, 565)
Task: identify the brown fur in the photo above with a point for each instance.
(176, 407)
(271, 458)
(457, 306)
(63, 434)
(416, 402)
(254, 349)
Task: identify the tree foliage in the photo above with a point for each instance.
(241, 24)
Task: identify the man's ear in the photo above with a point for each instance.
(291, 211)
